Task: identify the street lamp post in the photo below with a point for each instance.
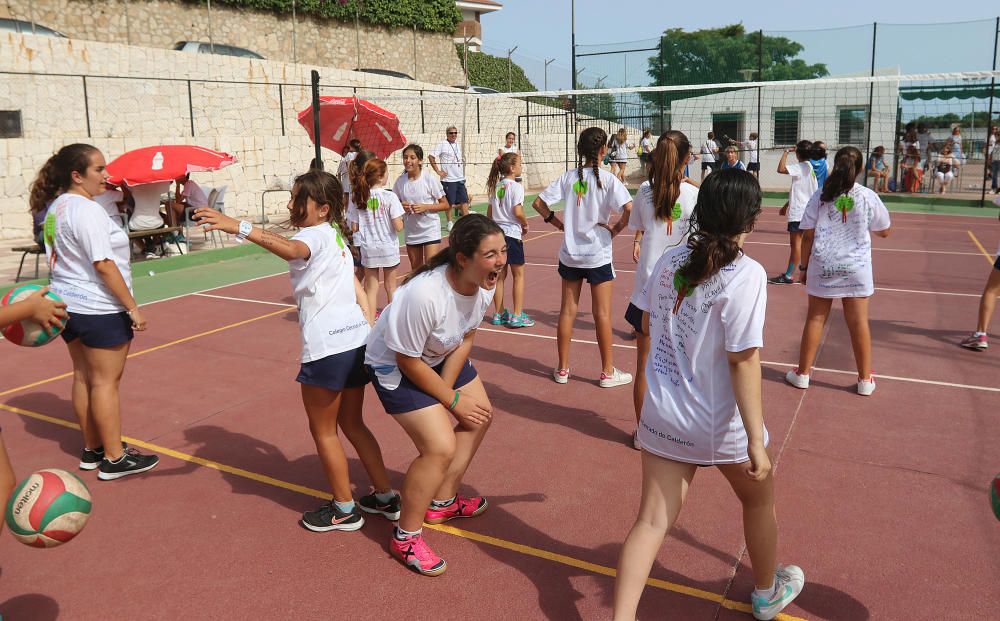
(547, 62)
(510, 71)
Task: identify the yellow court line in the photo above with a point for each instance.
(451, 530)
(152, 349)
(975, 240)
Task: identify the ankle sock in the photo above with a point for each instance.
(344, 507)
(440, 504)
(385, 497)
(401, 534)
(973, 334)
(790, 270)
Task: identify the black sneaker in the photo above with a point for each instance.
(328, 517)
(370, 504)
(91, 458)
(131, 462)
(781, 279)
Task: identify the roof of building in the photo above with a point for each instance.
(482, 5)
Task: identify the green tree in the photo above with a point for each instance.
(598, 106)
(494, 72)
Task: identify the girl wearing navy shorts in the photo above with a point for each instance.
(89, 269)
(418, 359)
(804, 185)
(837, 243)
(703, 310)
(334, 317)
(380, 219)
(586, 247)
(357, 163)
(422, 196)
(660, 218)
(506, 208)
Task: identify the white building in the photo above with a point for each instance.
(470, 25)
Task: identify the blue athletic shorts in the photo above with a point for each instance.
(99, 331)
(633, 315)
(515, 251)
(406, 397)
(456, 192)
(793, 227)
(593, 275)
(996, 264)
(336, 372)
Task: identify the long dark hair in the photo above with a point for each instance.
(464, 239)
(667, 171)
(56, 174)
(846, 168)
(588, 149)
(325, 189)
(356, 166)
(804, 150)
(501, 168)
(728, 205)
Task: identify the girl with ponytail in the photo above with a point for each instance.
(506, 208)
(90, 268)
(804, 184)
(660, 218)
(591, 195)
(351, 215)
(703, 311)
(334, 320)
(837, 243)
(379, 219)
(418, 359)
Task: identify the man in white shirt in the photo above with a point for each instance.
(446, 160)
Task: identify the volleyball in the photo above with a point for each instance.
(48, 508)
(26, 332)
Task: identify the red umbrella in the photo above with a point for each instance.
(344, 118)
(165, 163)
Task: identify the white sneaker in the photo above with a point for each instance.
(866, 387)
(561, 376)
(152, 255)
(799, 381)
(635, 440)
(450, 225)
(617, 378)
(788, 583)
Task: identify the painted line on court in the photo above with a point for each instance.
(232, 284)
(451, 530)
(232, 299)
(975, 240)
(875, 249)
(881, 376)
(151, 349)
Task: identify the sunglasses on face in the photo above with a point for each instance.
(452, 133)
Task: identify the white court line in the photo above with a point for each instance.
(225, 297)
(232, 284)
(881, 376)
(955, 252)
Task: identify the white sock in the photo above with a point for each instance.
(978, 334)
(404, 534)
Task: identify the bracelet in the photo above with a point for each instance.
(129, 312)
(549, 217)
(454, 401)
(803, 268)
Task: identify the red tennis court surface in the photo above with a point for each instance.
(882, 500)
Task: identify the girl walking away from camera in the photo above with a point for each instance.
(418, 359)
(703, 307)
(357, 163)
(334, 317)
(660, 218)
(592, 194)
(803, 187)
(506, 208)
(89, 264)
(422, 196)
(344, 168)
(838, 223)
(380, 219)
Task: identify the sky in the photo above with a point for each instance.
(914, 36)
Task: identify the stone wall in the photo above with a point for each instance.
(427, 56)
(253, 116)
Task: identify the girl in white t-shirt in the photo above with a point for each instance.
(89, 265)
(380, 219)
(750, 145)
(660, 218)
(335, 320)
(344, 168)
(838, 223)
(418, 359)
(619, 147)
(510, 147)
(709, 150)
(422, 197)
(646, 148)
(703, 309)
(803, 187)
(591, 194)
(506, 208)
(356, 164)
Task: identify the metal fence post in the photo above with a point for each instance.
(86, 104)
(871, 98)
(281, 107)
(527, 115)
(423, 129)
(989, 115)
(190, 108)
(315, 106)
(479, 128)
(760, 78)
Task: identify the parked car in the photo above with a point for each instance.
(387, 72)
(482, 90)
(22, 27)
(200, 47)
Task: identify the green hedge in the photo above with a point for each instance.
(492, 72)
(428, 15)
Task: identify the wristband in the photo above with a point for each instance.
(245, 229)
(549, 217)
(454, 401)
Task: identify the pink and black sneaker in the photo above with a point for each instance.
(463, 507)
(416, 554)
(975, 342)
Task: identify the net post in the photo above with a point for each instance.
(871, 98)
(315, 106)
(989, 115)
(760, 78)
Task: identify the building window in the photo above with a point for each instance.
(786, 127)
(10, 124)
(851, 126)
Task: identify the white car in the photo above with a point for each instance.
(200, 47)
